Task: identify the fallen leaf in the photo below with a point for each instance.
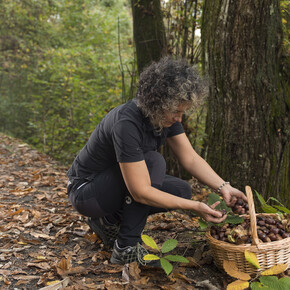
(73, 270)
(131, 272)
(275, 270)
(16, 212)
(55, 285)
(64, 264)
(252, 258)
(25, 277)
(60, 232)
(238, 285)
(231, 268)
(52, 282)
(176, 275)
(41, 265)
(191, 263)
(206, 285)
(114, 285)
(42, 235)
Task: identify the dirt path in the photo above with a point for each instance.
(44, 241)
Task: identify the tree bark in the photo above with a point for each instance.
(149, 32)
(248, 115)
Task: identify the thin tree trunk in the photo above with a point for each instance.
(247, 123)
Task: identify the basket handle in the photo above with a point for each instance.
(252, 213)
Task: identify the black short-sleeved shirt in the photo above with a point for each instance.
(123, 135)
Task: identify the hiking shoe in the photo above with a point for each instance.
(131, 254)
(108, 233)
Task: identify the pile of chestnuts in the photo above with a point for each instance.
(241, 207)
(269, 229)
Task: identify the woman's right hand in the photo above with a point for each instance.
(209, 213)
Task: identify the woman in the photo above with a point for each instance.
(119, 178)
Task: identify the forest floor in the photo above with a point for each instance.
(46, 244)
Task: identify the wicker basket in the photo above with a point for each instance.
(268, 254)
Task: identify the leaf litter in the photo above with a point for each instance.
(46, 244)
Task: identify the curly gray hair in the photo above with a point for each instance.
(164, 85)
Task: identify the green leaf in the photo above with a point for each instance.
(203, 224)
(273, 198)
(265, 207)
(284, 283)
(167, 267)
(169, 245)
(270, 281)
(149, 242)
(176, 258)
(234, 219)
(261, 199)
(283, 209)
(213, 197)
(259, 286)
(150, 257)
(269, 209)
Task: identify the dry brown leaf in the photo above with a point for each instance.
(134, 270)
(25, 277)
(91, 237)
(114, 285)
(114, 270)
(131, 272)
(101, 256)
(5, 272)
(275, 270)
(23, 218)
(41, 265)
(198, 253)
(29, 241)
(238, 285)
(41, 235)
(16, 212)
(175, 275)
(65, 268)
(36, 214)
(63, 240)
(232, 269)
(64, 264)
(192, 263)
(70, 271)
(54, 285)
(14, 249)
(60, 232)
(6, 281)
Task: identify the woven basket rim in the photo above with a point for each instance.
(269, 246)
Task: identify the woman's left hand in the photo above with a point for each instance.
(231, 194)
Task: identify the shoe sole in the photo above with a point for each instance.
(116, 261)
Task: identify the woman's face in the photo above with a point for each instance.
(175, 116)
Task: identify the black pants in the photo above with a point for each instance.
(107, 195)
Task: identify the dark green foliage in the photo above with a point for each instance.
(59, 72)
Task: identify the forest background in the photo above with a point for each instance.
(65, 64)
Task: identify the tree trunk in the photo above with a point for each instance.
(248, 137)
(149, 31)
